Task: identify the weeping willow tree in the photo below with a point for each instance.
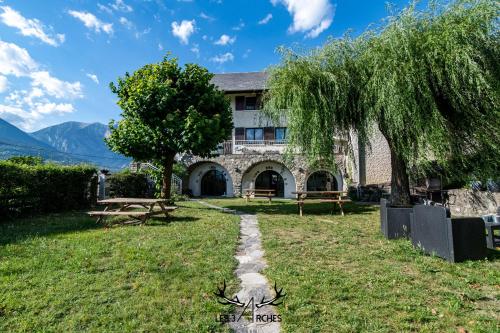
(428, 79)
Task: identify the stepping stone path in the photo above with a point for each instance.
(253, 284)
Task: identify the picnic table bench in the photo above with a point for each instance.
(335, 197)
(121, 206)
(264, 193)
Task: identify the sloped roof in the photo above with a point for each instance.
(235, 82)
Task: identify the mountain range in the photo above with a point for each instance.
(68, 143)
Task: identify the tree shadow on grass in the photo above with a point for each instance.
(289, 207)
(165, 221)
(14, 231)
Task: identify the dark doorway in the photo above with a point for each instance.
(213, 183)
(322, 181)
(271, 180)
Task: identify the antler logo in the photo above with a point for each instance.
(272, 301)
(222, 298)
(225, 300)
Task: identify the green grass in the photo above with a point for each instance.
(64, 273)
(341, 275)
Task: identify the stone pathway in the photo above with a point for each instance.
(253, 284)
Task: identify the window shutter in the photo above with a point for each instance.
(239, 133)
(240, 103)
(269, 133)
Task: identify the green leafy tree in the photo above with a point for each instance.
(26, 160)
(168, 110)
(429, 80)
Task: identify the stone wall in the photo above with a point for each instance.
(238, 166)
(464, 202)
(377, 160)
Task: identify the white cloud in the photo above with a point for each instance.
(28, 27)
(139, 34)
(222, 58)
(55, 87)
(309, 16)
(247, 53)
(240, 26)
(104, 8)
(92, 22)
(126, 23)
(196, 50)
(183, 30)
(225, 40)
(207, 17)
(49, 108)
(29, 119)
(121, 6)
(4, 83)
(266, 19)
(93, 77)
(15, 60)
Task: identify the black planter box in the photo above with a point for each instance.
(394, 221)
(454, 239)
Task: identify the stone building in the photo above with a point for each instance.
(253, 156)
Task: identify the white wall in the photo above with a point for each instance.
(198, 173)
(249, 118)
(248, 180)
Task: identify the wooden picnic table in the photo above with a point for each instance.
(121, 206)
(266, 193)
(335, 197)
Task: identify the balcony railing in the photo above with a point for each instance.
(259, 142)
(258, 146)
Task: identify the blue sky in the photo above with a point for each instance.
(57, 57)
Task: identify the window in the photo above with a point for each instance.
(247, 103)
(280, 134)
(250, 103)
(254, 134)
(240, 103)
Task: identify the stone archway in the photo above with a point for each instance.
(213, 183)
(270, 173)
(210, 179)
(323, 180)
(270, 179)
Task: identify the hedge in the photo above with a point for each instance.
(130, 185)
(44, 188)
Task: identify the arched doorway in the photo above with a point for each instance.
(213, 183)
(322, 181)
(272, 180)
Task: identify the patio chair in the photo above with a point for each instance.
(492, 223)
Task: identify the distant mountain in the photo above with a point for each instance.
(13, 135)
(14, 142)
(84, 141)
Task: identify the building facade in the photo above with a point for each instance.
(253, 157)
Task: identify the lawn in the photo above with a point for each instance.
(63, 273)
(341, 275)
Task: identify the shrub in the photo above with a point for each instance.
(129, 185)
(43, 188)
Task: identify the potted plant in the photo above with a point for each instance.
(454, 239)
(395, 220)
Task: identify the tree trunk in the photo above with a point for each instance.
(400, 184)
(167, 176)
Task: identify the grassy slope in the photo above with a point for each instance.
(341, 275)
(64, 273)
